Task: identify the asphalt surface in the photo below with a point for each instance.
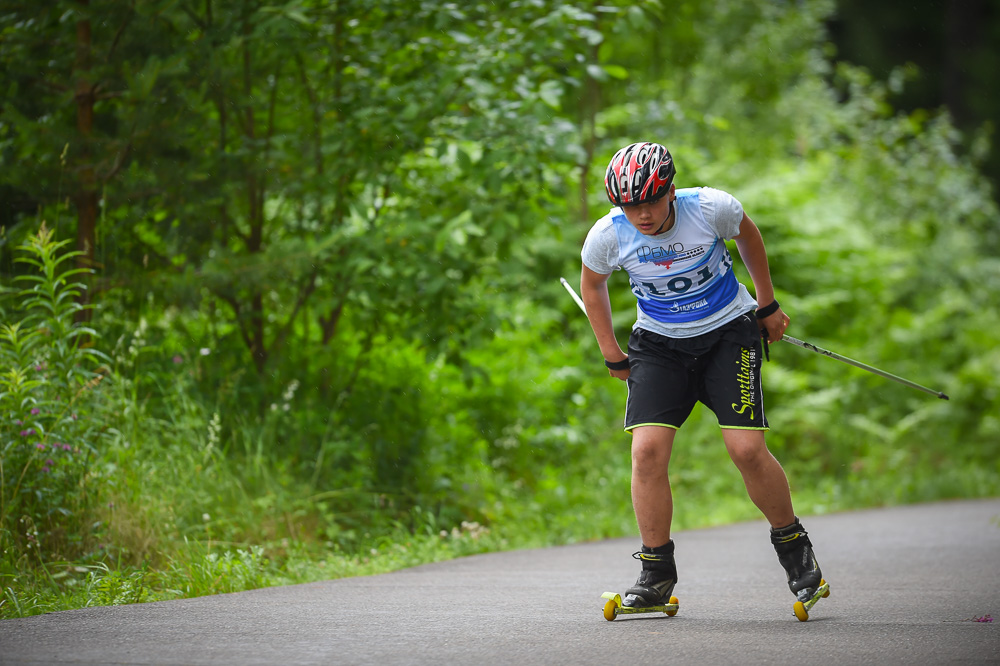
(907, 584)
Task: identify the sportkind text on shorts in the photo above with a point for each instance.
(747, 381)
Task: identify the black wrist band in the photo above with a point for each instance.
(617, 365)
(768, 310)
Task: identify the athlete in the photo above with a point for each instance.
(697, 337)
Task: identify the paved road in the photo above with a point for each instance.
(906, 583)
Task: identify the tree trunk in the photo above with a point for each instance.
(85, 196)
(255, 209)
(963, 35)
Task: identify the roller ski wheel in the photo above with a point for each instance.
(613, 607)
(802, 608)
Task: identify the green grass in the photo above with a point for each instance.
(158, 554)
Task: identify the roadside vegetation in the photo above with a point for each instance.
(312, 324)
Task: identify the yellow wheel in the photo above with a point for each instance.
(827, 593)
(673, 600)
(800, 611)
(610, 609)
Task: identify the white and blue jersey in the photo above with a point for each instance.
(682, 279)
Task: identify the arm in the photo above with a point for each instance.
(750, 244)
(594, 291)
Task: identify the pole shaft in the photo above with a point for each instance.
(863, 366)
(579, 301)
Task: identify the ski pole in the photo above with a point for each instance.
(579, 301)
(811, 347)
(859, 364)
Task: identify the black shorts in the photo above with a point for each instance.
(721, 368)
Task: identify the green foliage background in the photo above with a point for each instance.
(323, 332)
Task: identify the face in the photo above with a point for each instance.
(649, 217)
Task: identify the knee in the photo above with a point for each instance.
(750, 455)
(650, 457)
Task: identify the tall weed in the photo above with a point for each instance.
(51, 419)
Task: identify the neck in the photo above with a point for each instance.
(667, 219)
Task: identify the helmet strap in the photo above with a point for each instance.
(665, 220)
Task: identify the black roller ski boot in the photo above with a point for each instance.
(656, 580)
(795, 554)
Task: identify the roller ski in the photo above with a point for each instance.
(652, 591)
(805, 579)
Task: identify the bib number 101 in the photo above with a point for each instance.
(682, 283)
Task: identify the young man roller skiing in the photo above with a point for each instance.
(697, 337)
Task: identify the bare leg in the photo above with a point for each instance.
(765, 480)
(651, 497)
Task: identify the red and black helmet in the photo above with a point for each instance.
(639, 173)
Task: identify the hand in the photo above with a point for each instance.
(620, 374)
(774, 324)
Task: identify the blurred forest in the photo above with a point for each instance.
(937, 54)
(280, 281)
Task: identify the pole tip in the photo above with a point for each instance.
(943, 396)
